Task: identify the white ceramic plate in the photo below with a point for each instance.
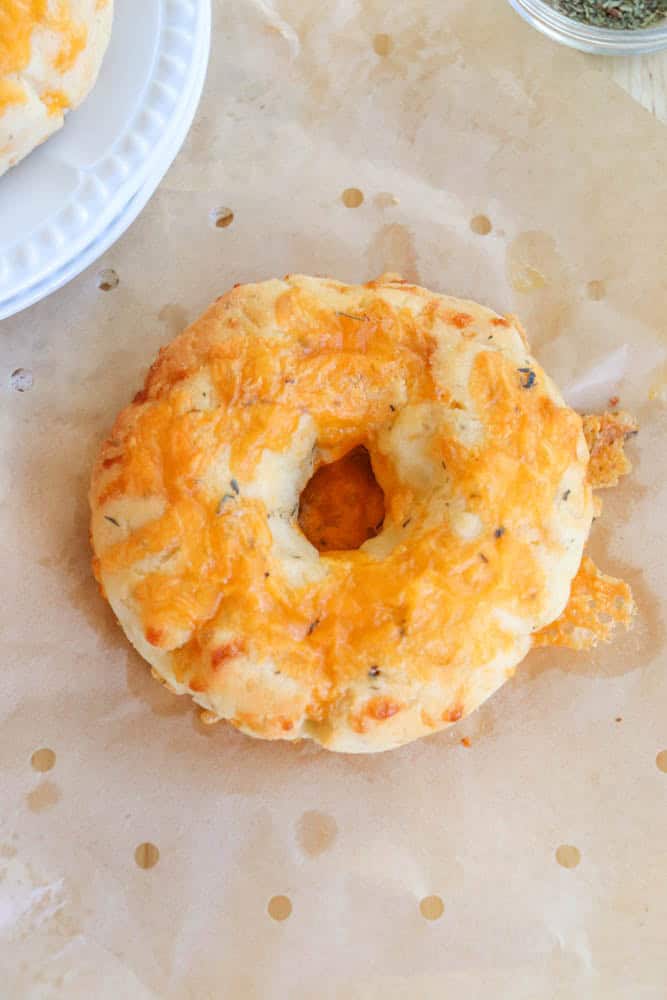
(72, 198)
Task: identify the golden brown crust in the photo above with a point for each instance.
(195, 496)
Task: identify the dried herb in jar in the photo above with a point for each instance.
(623, 14)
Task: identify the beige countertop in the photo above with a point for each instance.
(644, 78)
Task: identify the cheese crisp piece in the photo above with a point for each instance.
(606, 435)
(597, 603)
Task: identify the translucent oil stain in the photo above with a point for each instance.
(530, 259)
(174, 317)
(316, 833)
(44, 797)
(658, 385)
(543, 278)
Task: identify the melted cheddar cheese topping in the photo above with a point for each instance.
(206, 580)
(18, 20)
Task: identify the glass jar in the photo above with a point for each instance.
(589, 38)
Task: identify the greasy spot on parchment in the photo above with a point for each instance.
(174, 317)
(352, 197)
(316, 832)
(596, 290)
(538, 273)
(43, 797)
(393, 250)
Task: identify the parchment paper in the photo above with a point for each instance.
(470, 113)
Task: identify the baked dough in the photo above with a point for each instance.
(195, 510)
(50, 55)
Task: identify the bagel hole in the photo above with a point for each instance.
(342, 504)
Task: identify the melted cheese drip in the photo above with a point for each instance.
(432, 600)
(18, 20)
